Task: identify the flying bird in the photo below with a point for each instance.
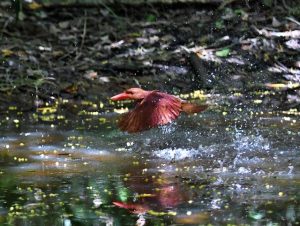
(153, 108)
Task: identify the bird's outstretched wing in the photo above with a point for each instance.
(156, 109)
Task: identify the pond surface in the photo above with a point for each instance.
(239, 167)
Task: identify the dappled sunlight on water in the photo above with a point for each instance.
(237, 168)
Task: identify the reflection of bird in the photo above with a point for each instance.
(133, 207)
(167, 196)
(154, 108)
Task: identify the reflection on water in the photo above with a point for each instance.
(239, 168)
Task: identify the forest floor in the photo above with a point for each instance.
(92, 53)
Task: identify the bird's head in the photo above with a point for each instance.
(131, 94)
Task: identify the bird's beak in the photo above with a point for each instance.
(121, 96)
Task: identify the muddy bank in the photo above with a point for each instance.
(92, 53)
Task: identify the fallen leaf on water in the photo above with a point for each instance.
(132, 207)
(197, 218)
(145, 195)
(47, 110)
(155, 213)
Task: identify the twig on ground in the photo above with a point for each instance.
(247, 4)
(285, 5)
(84, 30)
(293, 20)
(286, 34)
(78, 54)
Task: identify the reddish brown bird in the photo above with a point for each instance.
(153, 108)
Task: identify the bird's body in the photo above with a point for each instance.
(153, 108)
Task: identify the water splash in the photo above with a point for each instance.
(251, 150)
(249, 143)
(176, 154)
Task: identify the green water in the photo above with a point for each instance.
(238, 168)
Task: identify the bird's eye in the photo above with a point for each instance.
(129, 92)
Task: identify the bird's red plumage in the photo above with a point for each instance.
(154, 108)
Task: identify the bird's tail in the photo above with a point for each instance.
(192, 108)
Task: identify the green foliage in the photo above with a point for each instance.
(295, 11)
(223, 53)
(219, 24)
(239, 12)
(151, 18)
